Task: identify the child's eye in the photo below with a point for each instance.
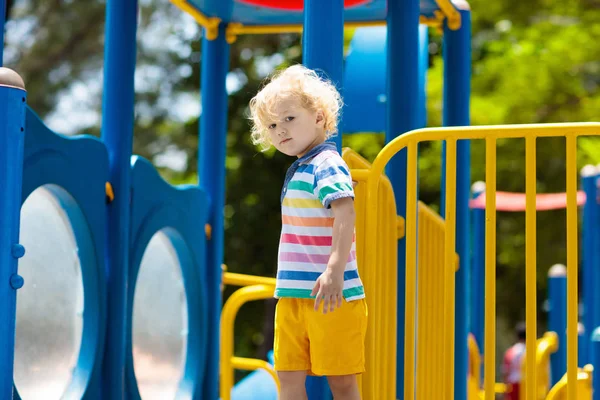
(289, 119)
(272, 126)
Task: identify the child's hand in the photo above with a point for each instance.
(329, 289)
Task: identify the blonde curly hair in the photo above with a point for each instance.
(298, 82)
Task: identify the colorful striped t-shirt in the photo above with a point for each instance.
(307, 227)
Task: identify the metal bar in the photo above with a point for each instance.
(557, 319)
(530, 266)
(323, 43)
(12, 123)
(2, 22)
(411, 273)
(449, 268)
(117, 134)
(227, 323)
(230, 278)
(457, 89)
(481, 132)
(589, 262)
(402, 116)
(572, 266)
(323, 50)
(490, 269)
(211, 167)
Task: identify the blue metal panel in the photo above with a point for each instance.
(477, 297)
(77, 169)
(234, 10)
(117, 133)
(557, 319)
(156, 205)
(423, 68)
(457, 89)
(211, 167)
(12, 123)
(590, 263)
(402, 116)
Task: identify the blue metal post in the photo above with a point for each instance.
(323, 43)
(402, 116)
(557, 318)
(211, 167)
(2, 21)
(477, 320)
(423, 67)
(12, 126)
(595, 350)
(590, 263)
(457, 89)
(323, 50)
(117, 134)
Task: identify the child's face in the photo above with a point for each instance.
(295, 129)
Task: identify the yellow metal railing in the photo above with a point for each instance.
(255, 288)
(379, 277)
(373, 217)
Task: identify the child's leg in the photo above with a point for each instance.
(293, 385)
(344, 387)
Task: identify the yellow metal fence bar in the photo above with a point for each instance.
(228, 314)
(490, 269)
(530, 266)
(252, 364)
(231, 278)
(449, 267)
(572, 266)
(411, 271)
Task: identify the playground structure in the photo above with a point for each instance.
(127, 226)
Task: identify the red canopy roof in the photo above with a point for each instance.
(513, 202)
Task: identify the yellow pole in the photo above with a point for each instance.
(449, 266)
(411, 271)
(572, 266)
(530, 266)
(490, 269)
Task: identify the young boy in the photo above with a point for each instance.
(321, 314)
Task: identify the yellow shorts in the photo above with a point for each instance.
(322, 344)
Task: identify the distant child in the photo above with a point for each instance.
(512, 364)
(297, 111)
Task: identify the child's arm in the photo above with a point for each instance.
(330, 284)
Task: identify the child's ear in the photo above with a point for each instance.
(320, 118)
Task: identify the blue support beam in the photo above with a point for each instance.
(211, 173)
(2, 22)
(557, 319)
(595, 350)
(457, 88)
(590, 262)
(402, 116)
(423, 68)
(12, 127)
(117, 134)
(323, 50)
(323, 43)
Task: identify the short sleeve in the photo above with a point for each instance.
(332, 180)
